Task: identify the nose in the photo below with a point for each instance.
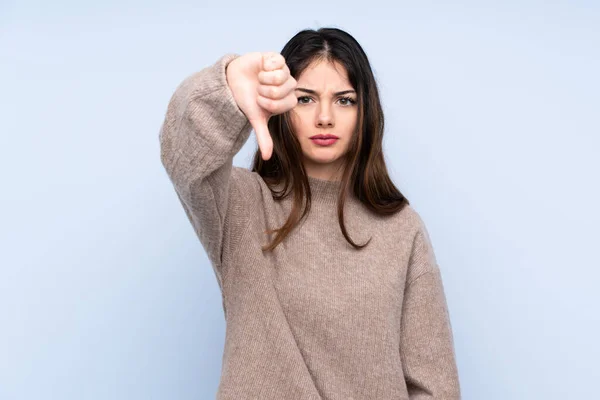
(325, 116)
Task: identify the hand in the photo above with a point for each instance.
(262, 87)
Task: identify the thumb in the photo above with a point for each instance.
(265, 143)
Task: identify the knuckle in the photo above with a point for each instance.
(293, 102)
(280, 77)
(268, 78)
(292, 84)
(269, 105)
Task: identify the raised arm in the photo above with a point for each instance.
(208, 119)
(203, 129)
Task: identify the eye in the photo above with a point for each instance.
(301, 99)
(344, 101)
(347, 101)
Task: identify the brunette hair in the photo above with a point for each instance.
(365, 172)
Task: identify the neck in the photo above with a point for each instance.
(324, 190)
(326, 172)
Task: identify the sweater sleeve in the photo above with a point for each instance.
(427, 347)
(202, 131)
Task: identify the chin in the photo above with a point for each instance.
(324, 159)
(323, 155)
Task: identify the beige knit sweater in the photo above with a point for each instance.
(315, 319)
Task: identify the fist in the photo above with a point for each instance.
(262, 87)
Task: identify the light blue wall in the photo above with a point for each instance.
(492, 132)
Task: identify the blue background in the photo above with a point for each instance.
(493, 133)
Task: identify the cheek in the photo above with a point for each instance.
(350, 123)
(299, 122)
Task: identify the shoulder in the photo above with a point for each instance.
(415, 224)
(407, 222)
(410, 228)
(422, 254)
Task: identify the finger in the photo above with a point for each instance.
(269, 105)
(290, 101)
(277, 92)
(276, 77)
(276, 107)
(272, 61)
(265, 143)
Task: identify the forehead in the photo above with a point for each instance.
(325, 74)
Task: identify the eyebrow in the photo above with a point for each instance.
(336, 94)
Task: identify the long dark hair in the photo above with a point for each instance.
(365, 172)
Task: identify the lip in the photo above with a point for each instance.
(324, 137)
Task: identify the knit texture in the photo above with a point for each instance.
(314, 319)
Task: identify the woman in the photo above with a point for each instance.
(330, 286)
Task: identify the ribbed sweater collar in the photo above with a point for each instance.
(324, 191)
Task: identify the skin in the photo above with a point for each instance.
(262, 86)
(324, 111)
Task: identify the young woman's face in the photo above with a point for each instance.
(326, 106)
